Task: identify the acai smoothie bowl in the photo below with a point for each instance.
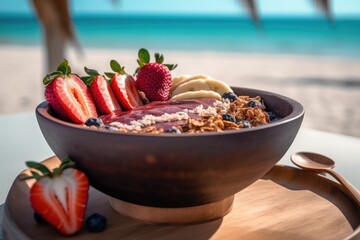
(156, 140)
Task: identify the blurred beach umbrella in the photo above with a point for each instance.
(325, 7)
(253, 11)
(55, 18)
(251, 7)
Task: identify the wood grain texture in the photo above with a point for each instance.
(287, 203)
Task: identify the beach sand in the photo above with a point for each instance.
(328, 87)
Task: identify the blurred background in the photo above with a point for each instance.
(307, 50)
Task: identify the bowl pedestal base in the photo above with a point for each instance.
(184, 215)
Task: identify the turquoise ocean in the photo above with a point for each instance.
(292, 35)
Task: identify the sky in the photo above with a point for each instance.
(194, 7)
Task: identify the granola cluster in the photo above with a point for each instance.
(210, 124)
(248, 112)
(243, 112)
(249, 109)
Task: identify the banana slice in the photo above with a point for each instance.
(180, 78)
(218, 86)
(186, 78)
(197, 94)
(202, 84)
(194, 85)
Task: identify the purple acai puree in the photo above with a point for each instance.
(158, 108)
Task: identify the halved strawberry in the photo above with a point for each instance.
(60, 197)
(68, 95)
(124, 87)
(53, 102)
(101, 92)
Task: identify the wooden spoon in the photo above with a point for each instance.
(319, 163)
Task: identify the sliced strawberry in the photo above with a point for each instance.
(101, 92)
(60, 197)
(75, 98)
(68, 95)
(125, 91)
(103, 96)
(53, 102)
(124, 87)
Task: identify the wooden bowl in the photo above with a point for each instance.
(175, 170)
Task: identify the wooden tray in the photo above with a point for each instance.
(287, 203)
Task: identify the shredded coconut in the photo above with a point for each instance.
(148, 120)
(201, 111)
(222, 106)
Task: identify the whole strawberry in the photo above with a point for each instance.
(59, 196)
(154, 78)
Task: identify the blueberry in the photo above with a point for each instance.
(228, 117)
(255, 104)
(272, 116)
(229, 95)
(38, 218)
(95, 223)
(245, 123)
(97, 122)
(172, 130)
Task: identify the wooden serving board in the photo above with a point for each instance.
(287, 203)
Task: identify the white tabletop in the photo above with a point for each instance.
(21, 140)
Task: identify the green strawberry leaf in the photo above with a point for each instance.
(144, 55)
(42, 168)
(171, 66)
(26, 177)
(115, 66)
(68, 70)
(66, 163)
(88, 79)
(35, 175)
(109, 74)
(51, 76)
(91, 72)
(64, 67)
(141, 64)
(159, 58)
